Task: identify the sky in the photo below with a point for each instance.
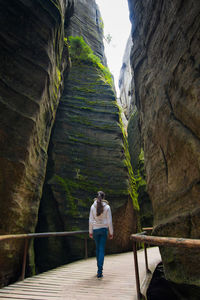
(115, 15)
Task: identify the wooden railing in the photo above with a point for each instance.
(27, 237)
(157, 241)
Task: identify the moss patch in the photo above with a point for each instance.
(137, 162)
(132, 182)
(80, 52)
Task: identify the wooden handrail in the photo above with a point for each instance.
(147, 228)
(28, 236)
(158, 241)
(166, 241)
(40, 235)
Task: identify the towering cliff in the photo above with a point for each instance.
(131, 122)
(88, 151)
(165, 59)
(87, 22)
(126, 83)
(127, 103)
(31, 67)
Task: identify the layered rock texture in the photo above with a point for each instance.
(31, 67)
(126, 83)
(137, 162)
(131, 122)
(88, 151)
(165, 59)
(87, 22)
(127, 103)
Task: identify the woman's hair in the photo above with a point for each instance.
(100, 197)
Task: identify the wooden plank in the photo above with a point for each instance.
(29, 290)
(28, 297)
(28, 293)
(29, 287)
(39, 285)
(53, 282)
(46, 281)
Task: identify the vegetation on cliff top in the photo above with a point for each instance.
(80, 52)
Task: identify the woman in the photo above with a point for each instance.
(100, 226)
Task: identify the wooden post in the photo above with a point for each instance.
(146, 258)
(86, 249)
(136, 271)
(24, 259)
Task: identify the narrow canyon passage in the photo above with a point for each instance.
(65, 134)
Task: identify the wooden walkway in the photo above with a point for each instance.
(77, 280)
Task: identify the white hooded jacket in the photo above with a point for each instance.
(102, 221)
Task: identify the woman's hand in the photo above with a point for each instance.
(110, 236)
(91, 235)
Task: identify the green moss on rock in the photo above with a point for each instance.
(81, 53)
(132, 182)
(137, 163)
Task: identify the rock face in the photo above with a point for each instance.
(165, 59)
(31, 67)
(126, 83)
(127, 103)
(88, 152)
(87, 22)
(137, 162)
(131, 121)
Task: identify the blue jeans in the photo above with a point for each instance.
(100, 237)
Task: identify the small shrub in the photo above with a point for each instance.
(80, 52)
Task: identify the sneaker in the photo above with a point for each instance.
(99, 275)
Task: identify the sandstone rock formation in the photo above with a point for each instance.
(87, 153)
(131, 121)
(126, 83)
(137, 162)
(127, 103)
(165, 59)
(87, 22)
(31, 67)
